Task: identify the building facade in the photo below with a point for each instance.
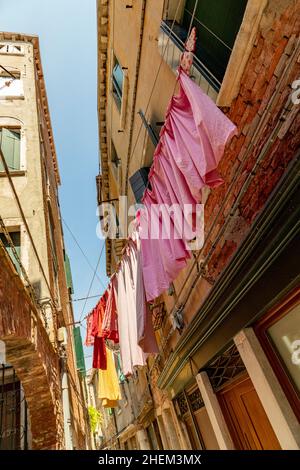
(227, 375)
(41, 388)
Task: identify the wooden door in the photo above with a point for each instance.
(247, 421)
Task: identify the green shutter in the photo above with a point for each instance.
(69, 274)
(10, 146)
(79, 351)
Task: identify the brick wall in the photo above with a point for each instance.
(29, 351)
(259, 107)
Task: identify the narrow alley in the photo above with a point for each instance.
(149, 228)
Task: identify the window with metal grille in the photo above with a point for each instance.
(225, 367)
(217, 23)
(14, 419)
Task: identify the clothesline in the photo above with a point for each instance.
(192, 142)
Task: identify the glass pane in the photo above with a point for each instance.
(118, 77)
(285, 335)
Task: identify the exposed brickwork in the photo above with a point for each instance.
(264, 93)
(29, 350)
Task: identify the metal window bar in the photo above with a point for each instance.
(13, 433)
(225, 367)
(209, 30)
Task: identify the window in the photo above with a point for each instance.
(279, 334)
(139, 183)
(217, 23)
(117, 83)
(10, 145)
(154, 436)
(16, 240)
(10, 85)
(11, 49)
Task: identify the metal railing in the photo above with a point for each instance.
(175, 46)
(13, 411)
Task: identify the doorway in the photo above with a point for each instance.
(246, 418)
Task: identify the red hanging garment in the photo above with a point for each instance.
(89, 340)
(99, 354)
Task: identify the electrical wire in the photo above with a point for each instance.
(151, 94)
(84, 255)
(2, 158)
(230, 188)
(90, 297)
(92, 281)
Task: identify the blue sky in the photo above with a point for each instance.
(67, 33)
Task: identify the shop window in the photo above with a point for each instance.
(10, 140)
(279, 334)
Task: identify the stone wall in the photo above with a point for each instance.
(29, 351)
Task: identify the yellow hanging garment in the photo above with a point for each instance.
(109, 389)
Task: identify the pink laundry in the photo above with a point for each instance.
(192, 142)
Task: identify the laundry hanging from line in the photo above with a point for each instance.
(192, 143)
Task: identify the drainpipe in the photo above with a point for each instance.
(136, 77)
(66, 410)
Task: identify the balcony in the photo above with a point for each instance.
(171, 45)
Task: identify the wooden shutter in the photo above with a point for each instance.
(138, 182)
(79, 351)
(10, 145)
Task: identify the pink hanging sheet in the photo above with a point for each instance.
(192, 142)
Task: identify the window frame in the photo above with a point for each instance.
(241, 51)
(8, 46)
(115, 88)
(21, 169)
(261, 330)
